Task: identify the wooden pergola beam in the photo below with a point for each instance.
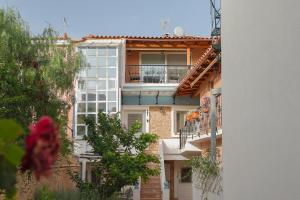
(204, 71)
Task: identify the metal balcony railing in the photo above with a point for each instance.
(201, 125)
(155, 73)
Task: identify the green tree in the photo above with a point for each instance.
(122, 156)
(36, 74)
(36, 78)
(10, 156)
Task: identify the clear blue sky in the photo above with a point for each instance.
(114, 17)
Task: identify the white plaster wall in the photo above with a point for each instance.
(260, 75)
(197, 194)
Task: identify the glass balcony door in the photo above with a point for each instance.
(176, 67)
(162, 67)
(152, 68)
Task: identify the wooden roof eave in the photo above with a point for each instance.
(191, 73)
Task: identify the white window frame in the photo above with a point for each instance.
(116, 89)
(134, 110)
(174, 116)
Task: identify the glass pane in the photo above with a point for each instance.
(92, 116)
(102, 72)
(112, 62)
(101, 96)
(186, 175)
(81, 84)
(91, 85)
(91, 61)
(111, 84)
(112, 51)
(82, 51)
(91, 51)
(102, 107)
(101, 51)
(80, 118)
(101, 85)
(81, 107)
(111, 72)
(91, 72)
(176, 59)
(180, 119)
(102, 61)
(112, 96)
(80, 130)
(91, 107)
(133, 117)
(112, 107)
(82, 73)
(89, 131)
(91, 96)
(81, 96)
(158, 59)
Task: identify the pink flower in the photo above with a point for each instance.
(42, 146)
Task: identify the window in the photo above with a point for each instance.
(153, 68)
(97, 88)
(186, 175)
(180, 117)
(132, 117)
(176, 67)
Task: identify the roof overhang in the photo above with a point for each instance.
(199, 72)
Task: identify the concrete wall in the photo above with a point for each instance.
(260, 51)
(197, 194)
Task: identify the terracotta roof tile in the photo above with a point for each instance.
(171, 37)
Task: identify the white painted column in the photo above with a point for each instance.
(83, 170)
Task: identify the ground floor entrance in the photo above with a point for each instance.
(179, 176)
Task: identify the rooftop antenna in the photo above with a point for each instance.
(215, 13)
(65, 22)
(165, 26)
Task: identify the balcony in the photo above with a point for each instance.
(156, 74)
(201, 126)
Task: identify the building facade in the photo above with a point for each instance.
(145, 79)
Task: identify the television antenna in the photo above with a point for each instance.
(165, 26)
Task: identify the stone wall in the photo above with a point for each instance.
(160, 121)
(59, 180)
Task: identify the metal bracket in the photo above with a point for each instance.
(216, 91)
(157, 97)
(140, 96)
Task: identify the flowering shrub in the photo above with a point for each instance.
(42, 145)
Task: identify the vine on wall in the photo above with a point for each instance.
(207, 176)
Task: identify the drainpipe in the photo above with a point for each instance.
(213, 124)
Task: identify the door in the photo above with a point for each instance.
(176, 67)
(152, 68)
